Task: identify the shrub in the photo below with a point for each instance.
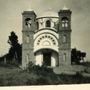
(45, 74)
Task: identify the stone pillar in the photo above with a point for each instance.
(39, 58)
(53, 60)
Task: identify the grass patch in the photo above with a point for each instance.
(35, 75)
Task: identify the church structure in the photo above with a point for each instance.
(46, 38)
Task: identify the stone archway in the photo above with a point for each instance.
(47, 57)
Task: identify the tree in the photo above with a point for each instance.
(77, 56)
(83, 55)
(13, 39)
(73, 55)
(15, 49)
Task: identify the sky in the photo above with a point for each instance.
(11, 20)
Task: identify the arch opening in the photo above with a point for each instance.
(28, 22)
(65, 22)
(47, 57)
(37, 24)
(48, 23)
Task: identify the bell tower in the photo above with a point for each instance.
(28, 30)
(64, 41)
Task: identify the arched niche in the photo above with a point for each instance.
(65, 22)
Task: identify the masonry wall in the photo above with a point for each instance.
(28, 38)
(64, 41)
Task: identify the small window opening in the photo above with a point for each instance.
(64, 22)
(48, 23)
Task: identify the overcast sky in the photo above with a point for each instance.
(11, 19)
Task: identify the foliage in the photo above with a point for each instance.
(77, 56)
(33, 75)
(45, 75)
(14, 55)
(15, 50)
(36, 75)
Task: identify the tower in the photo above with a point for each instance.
(64, 41)
(28, 30)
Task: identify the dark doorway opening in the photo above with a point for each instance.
(47, 59)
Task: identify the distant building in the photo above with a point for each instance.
(47, 38)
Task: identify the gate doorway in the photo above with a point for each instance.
(47, 59)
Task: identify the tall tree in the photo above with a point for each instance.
(15, 49)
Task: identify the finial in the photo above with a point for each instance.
(29, 8)
(65, 8)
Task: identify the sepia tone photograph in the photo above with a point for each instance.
(44, 42)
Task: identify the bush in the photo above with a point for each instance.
(45, 75)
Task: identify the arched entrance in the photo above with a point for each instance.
(47, 57)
